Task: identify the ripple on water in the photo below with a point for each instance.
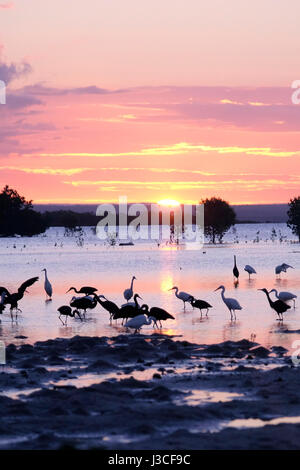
(259, 423)
(201, 397)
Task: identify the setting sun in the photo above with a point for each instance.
(168, 202)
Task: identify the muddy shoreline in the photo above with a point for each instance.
(148, 392)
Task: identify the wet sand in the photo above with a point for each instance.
(148, 392)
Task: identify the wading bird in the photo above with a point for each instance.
(200, 304)
(87, 290)
(65, 310)
(137, 322)
(128, 293)
(249, 270)
(157, 314)
(235, 270)
(231, 304)
(279, 306)
(184, 296)
(284, 296)
(109, 306)
(47, 286)
(83, 303)
(2, 305)
(281, 268)
(128, 310)
(133, 304)
(13, 299)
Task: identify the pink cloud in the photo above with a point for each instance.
(6, 6)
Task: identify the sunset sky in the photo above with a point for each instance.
(181, 99)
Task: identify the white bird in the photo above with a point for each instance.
(284, 296)
(184, 296)
(137, 322)
(282, 268)
(47, 286)
(128, 293)
(231, 304)
(249, 270)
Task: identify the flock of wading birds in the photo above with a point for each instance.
(134, 315)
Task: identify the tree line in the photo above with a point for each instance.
(17, 217)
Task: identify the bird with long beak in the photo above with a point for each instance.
(279, 306)
(231, 304)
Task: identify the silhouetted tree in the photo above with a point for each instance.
(294, 216)
(17, 216)
(218, 218)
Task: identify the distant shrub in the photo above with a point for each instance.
(17, 216)
(294, 216)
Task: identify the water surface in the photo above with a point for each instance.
(197, 270)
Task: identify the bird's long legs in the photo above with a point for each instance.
(79, 315)
(16, 316)
(232, 315)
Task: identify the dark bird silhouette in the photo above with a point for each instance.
(65, 310)
(279, 306)
(2, 306)
(157, 314)
(129, 310)
(108, 305)
(83, 303)
(87, 290)
(13, 299)
(235, 270)
(201, 304)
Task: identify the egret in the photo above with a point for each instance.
(83, 303)
(231, 304)
(279, 306)
(128, 293)
(235, 270)
(249, 270)
(109, 306)
(129, 311)
(184, 296)
(201, 304)
(157, 313)
(47, 286)
(65, 310)
(133, 304)
(2, 306)
(282, 268)
(137, 322)
(87, 290)
(284, 296)
(13, 299)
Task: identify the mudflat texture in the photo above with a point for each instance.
(148, 392)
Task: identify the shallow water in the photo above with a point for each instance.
(197, 271)
(259, 423)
